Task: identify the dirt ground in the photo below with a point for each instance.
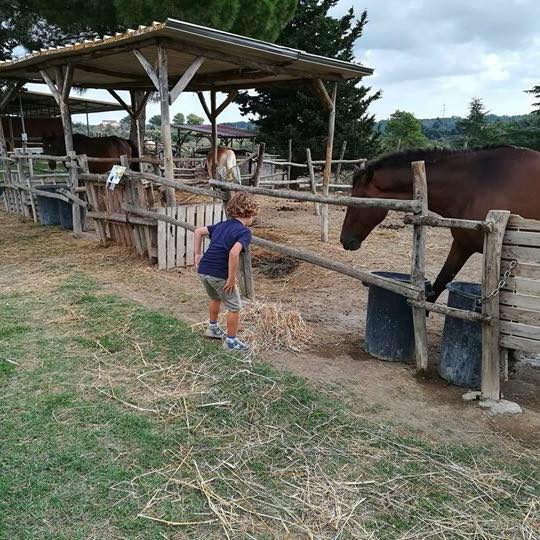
(334, 306)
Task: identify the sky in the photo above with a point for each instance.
(431, 57)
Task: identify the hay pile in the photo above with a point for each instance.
(272, 327)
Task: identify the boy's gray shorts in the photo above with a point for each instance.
(215, 288)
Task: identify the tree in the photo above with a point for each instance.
(42, 23)
(294, 112)
(476, 129)
(194, 120)
(179, 118)
(403, 131)
(535, 91)
(155, 121)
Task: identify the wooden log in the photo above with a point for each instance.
(24, 180)
(60, 196)
(73, 186)
(155, 179)
(285, 163)
(450, 311)
(435, 221)
(185, 79)
(356, 202)
(289, 159)
(166, 135)
(327, 171)
(259, 168)
(213, 119)
(316, 208)
(340, 161)
(418, 265)
(490, 385)
(121, 218)
(406, 289)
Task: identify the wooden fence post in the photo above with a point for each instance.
(327, 171)
(73, 187)
(313, 183)
(133, 200)
(418, 265)
(260, 163)
(289, 159)
(23, 179)
(491, 356)
(341, 156)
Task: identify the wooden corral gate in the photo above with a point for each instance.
(519, 303)
(175, 244)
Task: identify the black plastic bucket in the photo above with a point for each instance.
(49, 212)
(389, 323)
(460, 362)
(66, 215)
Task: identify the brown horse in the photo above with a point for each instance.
(104, 147)
(226, 164)
(461, 184)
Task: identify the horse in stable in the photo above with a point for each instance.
(461, 184)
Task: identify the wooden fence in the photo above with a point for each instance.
(127, 216)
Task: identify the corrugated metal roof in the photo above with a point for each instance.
(43, 105)
(223, 131)
(232, 61)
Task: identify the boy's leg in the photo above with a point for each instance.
(213, 310)
(233, 320)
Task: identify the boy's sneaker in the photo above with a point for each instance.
(235, 344)
(214, 331)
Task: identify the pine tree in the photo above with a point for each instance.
(294, 112)
(477, 131)
(535, 91)
(179, 118)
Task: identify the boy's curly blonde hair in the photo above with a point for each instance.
(242, 205)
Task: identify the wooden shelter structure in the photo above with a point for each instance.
(225, 134)
(172, 57)
(30, 115)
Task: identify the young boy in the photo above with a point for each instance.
(217, 268)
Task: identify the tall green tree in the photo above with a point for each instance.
(403, 131)
(179, 118)
(42, 23)
(535, 91)
(476, 129)
(294, 112)
(194, 120)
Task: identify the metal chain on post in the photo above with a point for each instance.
(500, 285)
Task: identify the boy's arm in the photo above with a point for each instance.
(197, 243)
(234, 255)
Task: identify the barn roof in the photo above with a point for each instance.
(232, 61)
(222, 130)
(43, 105)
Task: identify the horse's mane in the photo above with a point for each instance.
(405, 157)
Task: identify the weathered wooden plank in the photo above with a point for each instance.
(190, 218)
(525, 286)
(162, 240)
(520, 330)
(519, 300)
(522, 238)
(526, 270)
(517, 222)
(525, 254)
(490, 381)
(171, 240)
(525, 316)
(181, 237)
(182, 83)
(520, 343)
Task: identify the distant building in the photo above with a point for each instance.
(114, 124)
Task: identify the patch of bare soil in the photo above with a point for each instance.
(333, 306)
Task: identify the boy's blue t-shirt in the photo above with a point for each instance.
(223, 236)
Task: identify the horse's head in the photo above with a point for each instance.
(54, 145)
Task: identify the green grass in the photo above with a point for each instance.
(109, 411)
